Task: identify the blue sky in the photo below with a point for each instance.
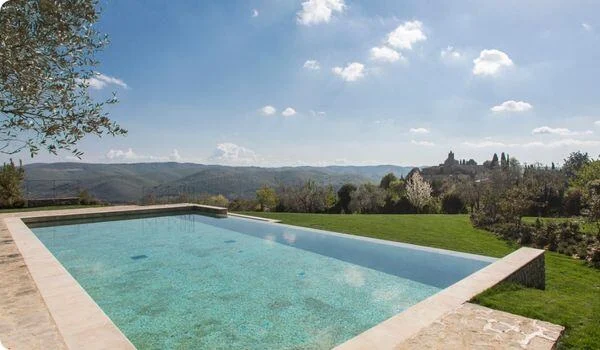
(319, 82)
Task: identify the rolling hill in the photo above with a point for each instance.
(121, 183)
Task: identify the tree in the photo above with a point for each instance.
(587, 173)
(345, 196)
(593, 204)
(387, 180)
(545, 188)
(470, 193)
(368, 198)
(452, 203)
(494, 162)
(573, 201)
(308, 198)
(47, 50)
(217, 201)
(574, 163)
(11, 178)
(418, 191)
(266, 197)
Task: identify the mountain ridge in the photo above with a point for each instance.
(129, 182)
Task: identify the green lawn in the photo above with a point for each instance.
(572, 295)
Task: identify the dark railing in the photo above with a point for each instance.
(50, 189)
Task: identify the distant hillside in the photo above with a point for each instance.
(129, 182)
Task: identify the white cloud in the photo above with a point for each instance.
(385, 54)
(116, 154)
(587, 27)
(538, 144)
(319, 11)
(419, 131)
(406, 34)
(288, 112)
(597, 123)
(563, 143)
(289, 237)
(512, 106)
(312, 65)
(230, 153)
(490, 62)
(318, 113)
(175, 157)
(352, 72)
(99, 81)
(354, 277)
(450, 53)
(422, 143)
(126, 156)
(559, 131)
(268, 110)
(255, 13)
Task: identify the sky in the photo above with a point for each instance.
(347, 82)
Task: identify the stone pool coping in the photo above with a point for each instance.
(79, 320)
(83, 324)
(525, 266)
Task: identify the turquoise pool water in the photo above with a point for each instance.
(193, 281)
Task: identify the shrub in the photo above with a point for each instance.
(216, 201)
(85, 198)
(266, 197)
(11, 178)
(572, 202)
(452, 203)
(593, 255)
(434, 206)
(240, 204)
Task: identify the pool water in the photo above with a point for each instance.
(193, 281)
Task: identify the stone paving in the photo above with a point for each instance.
(24, 319)
(476, 327)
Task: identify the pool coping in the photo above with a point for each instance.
(83, 324)
(392, 332)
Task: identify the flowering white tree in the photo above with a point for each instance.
(418, 191)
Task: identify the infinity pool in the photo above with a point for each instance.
(193, 281)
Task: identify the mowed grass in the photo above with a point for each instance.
(572, 295)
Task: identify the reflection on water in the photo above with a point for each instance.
(205, 282)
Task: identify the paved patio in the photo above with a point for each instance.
(476, 327)
(25, 322)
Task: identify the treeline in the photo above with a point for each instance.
(550, 191)
(412, 194)
(511, 193)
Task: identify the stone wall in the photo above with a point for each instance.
(532, 275)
